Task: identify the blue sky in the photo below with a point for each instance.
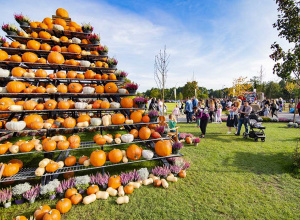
(217, 40)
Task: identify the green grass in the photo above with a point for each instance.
(229, 178)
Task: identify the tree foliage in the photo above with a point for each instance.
(240, 86)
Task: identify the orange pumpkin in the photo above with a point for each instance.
(51, 167)
(89, 74)
(47, 21)
(163, 148)
(105, 105)
(128, 189)
(61, 74)
(74, 141)
(46, 47)
(93, 189)
(49, 145)
(50, 104)
(5, 103)
(32, 118)
(17, 161)
(15, 87)
(134, 152)
(144, 133)
(34, 35)
(76, 198)
(42, 60)
(56, 57)
(100, 89)
(74, 48)
(69, 123)
(70, 161)
(15, 44)
(26, 147)
(63, 145)
(39, 107)
(71, 74)
(117, 119)
(115, 156)
(127, 103)
(29, 57)
(41, 211)
(43, 26)
(72, 104)
(104, 76)
(82, 159)
(112, 77)
(61, 22)
(114, 182)
(75, 88)
(62, 88)
(18, 72)
(52, 214)
(134, 132)
(64, 205)
(83, 118)
(64, 39)
(40, 89)
(41, 73)
(44, 35)
(80, 76)
(182, 174)
(111, 88)
(63, 105)
(33, 44)
(10, 169)
(136, 117)
(37, 125)
(3, 55)
(145, 119)
(98, 158)
(15, 58)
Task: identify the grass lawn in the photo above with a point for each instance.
(229, 178)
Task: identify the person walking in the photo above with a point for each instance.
(266, 110)
(219, 114)
(280, 104)
(176, 112)
(195, 102)
(232, 120)
(181, 106)
(204, 116)
(160, 107)
(244, 111)
(211, 109)
(188, 110)
(274, 108)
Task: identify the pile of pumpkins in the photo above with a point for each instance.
(59, 142)
(115, 189)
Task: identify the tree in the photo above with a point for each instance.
(160, 72)
(180, 96)
(240, 86)
(155, 93)
(189, 89)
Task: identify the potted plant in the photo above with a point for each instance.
(153, 115)
(18, 190)
(121, 75)
(131, 87)
(5, 197)
(127, 177)
(64, 185)
(103, 50)
(196, 141)
(2, 41)
(99, 179)
(112, 62)
(176, 147)
(22, 20)
(50, 189)
(94, 38)
(31, 194)
(162, 172)
(10, 29)
(175, 169)
(82, 183)
(87, 28)
(140, 102)
(162, 130)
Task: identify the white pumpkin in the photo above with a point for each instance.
(82, 124)
(122, 91)
(147, 154)
(60, 164)
(93, 65)
(128, 121)
(84, 53)
(58, 27)
(38, 147)
(114, 105)
(51, 90)
(108, 139)
(23, 46)
(4, 73)
(127, 138)
(3, 90)
(106, 120)
(90, 106)
(47, 125)
(55, 39)
(15, 108)
(70, 41)
(118, 140)
(40, 171)
(81, 105)
(29, 74)
(88, 90)
(95, 121)
(14, 149)
(76, 40)
(15, 125)
(85, 63)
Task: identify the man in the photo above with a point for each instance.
(244, 111)
(189, 110)
(195, 102)
(160, 107)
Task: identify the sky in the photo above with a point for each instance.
(215, 41)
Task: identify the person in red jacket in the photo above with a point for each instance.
(298, 107)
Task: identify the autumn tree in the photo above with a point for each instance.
(239, 87)
(189, 89)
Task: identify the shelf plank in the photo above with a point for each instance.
(62, 95)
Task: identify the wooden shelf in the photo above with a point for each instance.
(61, 95)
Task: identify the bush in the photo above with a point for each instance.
(296, 161)
(266, 119)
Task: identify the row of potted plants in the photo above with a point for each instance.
(26, 192)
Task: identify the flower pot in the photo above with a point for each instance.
(12, 33)
(81, 191)
(131, 91)
(103, 53)
(24, 23)
(122, 79)
(52, 197)
(141, 105)
(7, 205)
(19, 201)
(87, 31)
(113, 66)
(95, 41)
(153, 119)
(175, 151)
(164, 135)
(31, 200)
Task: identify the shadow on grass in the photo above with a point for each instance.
(261, 163)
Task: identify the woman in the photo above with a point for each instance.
(233, 121)
(181, 106)
(204, 119)
(298, 107)
(274, 108)
(211, 109)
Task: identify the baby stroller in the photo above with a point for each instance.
(256, 129)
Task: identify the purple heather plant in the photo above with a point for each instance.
(175, 169)
(94, 37)
(10, 27)
(186, 165)
(161, 171)
(160, 129)
(3, 40)
(153, 114)
(184, 135)
(129, 177)
(102, 49)
(121, 73)
(196, 140)
(21, 18)
(32, 193)
(177, 145)
(140, 100)
(100, 179)
(5, 195)
(66, 184)
(112, 62)
(131, 86)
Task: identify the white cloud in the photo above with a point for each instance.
(238, 43)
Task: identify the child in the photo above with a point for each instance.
(232, 110)
(172, 123)
(176, 112)
(266, 110)
(197, 112)
(219, 113)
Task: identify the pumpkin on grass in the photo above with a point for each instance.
(70, 192)
(52, 215)
(76, 198)
(41, 211)
(93, 189)
(64, 205)
(128, 189)
(134, 152)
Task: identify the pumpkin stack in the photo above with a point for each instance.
(81, 69)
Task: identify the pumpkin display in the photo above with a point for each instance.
(64, 205)
(41, 211)
(69, 123)
(5, 103)
(32, 118)
(93, 189)
(128, 189)
(115, 156)
(118, 119)
(3, 55)
(17, 161)
(114, 182)
(10, 169)
(15, 87)
(74, 141)
(50, 104)
(55, 57)
(111, 88)
(76, 198)
(136, 117)
(134, 152)
(74, 48)
(29, 57)
(51, 167)
(127, 103)
(41, 73)
(33, 44)
(163, 148)
(75, 88)
(63, 105)
(53, 214)
(144, 133)
(98, 158)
